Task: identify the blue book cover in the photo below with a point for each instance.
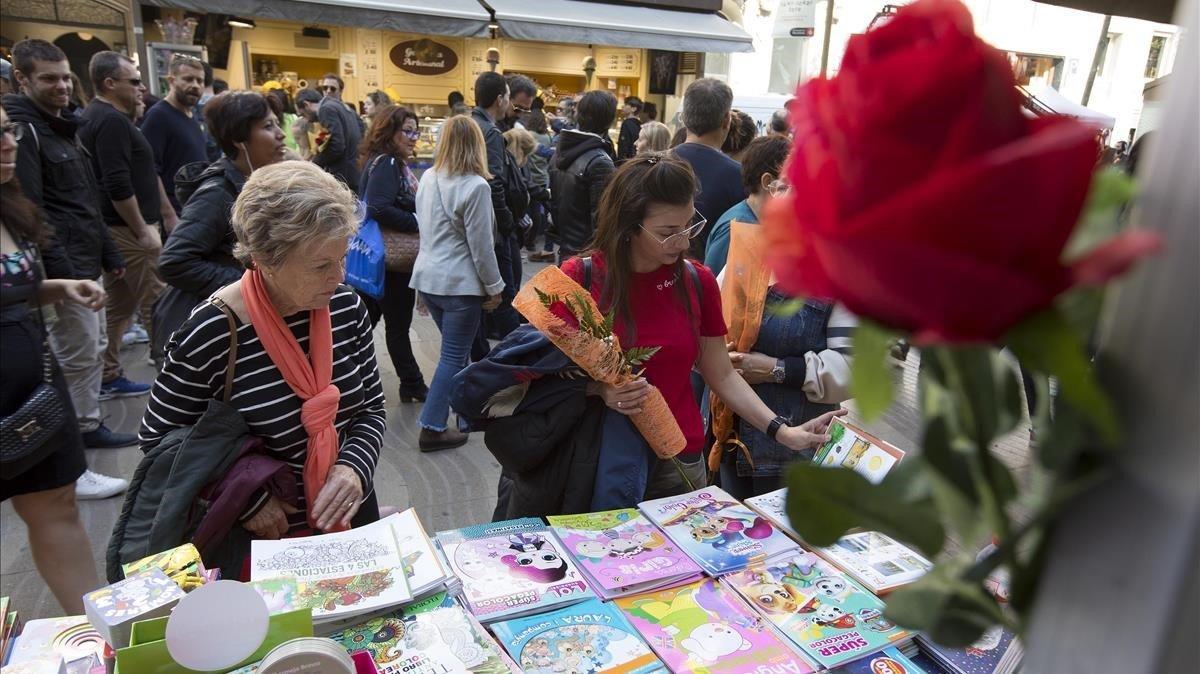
(588, 637)
(888, 661)
(716, 530)
(996, 652)
(512, 568)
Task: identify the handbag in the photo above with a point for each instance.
(26, 433)
(399, 248)
(364, 261)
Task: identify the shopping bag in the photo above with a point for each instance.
(365, 260)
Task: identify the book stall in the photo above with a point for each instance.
(695, 583)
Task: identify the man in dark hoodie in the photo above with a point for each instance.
(55, 174)
(581, 167)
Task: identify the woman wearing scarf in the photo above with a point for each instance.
(305, 378)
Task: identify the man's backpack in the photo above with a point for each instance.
(515, 189)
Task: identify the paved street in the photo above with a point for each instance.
(449, 489)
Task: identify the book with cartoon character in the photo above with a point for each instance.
(851, 447)
(716, 531)
(142, 595)
(622, 553)
(339, 575)
(512, 568)
(888, 661)
(426, 637)
(998, 651)
(706, 629)
(423, 567)
(830, 617)
(585, 638)
(876, 560)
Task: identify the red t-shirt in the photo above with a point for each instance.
(662, 320)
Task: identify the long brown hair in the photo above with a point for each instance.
(634, 187)
(381, 137)
(21, 216)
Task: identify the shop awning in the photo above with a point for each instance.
(618, 26)
(1056, 103)
(459, 18)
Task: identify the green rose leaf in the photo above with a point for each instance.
(1046, 343)
(952, 611)
(870, 380)
(825, 503)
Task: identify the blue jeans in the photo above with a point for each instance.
(457, 317)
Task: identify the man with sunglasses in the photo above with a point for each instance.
(338, 153)
(132, 203)
(521, 92)
(55, 174)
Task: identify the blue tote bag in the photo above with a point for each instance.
(364, 260)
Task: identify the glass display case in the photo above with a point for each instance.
(430, 128)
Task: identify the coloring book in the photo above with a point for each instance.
(622, 553)
(877, 561)
(853, 448)
(586, 638)
(716, 531)
(512, 568)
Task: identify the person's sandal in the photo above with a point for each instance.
(433, 441)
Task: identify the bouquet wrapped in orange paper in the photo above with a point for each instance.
(566, 313)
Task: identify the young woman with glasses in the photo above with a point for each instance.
(389, 189)
(637, 269)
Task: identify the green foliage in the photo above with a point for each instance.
(871, 382)
(638, 355)
(953, 610)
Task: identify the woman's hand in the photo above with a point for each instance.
(626, 398)
(491, 302)
(754, 367)
(86, 294)
(270, 521)
(422, 309)
(812, 433)
(339, 499)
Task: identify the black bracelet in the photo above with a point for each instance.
(775, 425)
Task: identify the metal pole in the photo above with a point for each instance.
(1096, 58)
(828, 33)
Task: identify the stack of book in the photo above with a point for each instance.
(71, 638)
(998, 651)
(142, 595)
(10, 627)
(621, 553)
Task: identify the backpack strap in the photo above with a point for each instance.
(587, 273)
(233, 344)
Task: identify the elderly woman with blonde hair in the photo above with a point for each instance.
(305, 378)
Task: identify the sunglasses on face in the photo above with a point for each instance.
(334, 88)
(135, 81)
(519, 108)
(16, 130)
(693, 229)
(411, 134)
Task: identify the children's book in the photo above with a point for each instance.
(142, 595)
(773, 506)
(888, 661)
(73, 638)
(622, 553)
(512, 568)
(877, 561)
(47, 664)
(826, 614)
(716, 531)
(586, 637)
(339, 575)
(10, 630)
(429, 637)
(422, 566)
(998, 651)
(852, 447)
(705, 628)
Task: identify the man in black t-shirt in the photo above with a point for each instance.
(631, 128)
(171, 126)
(132, 203)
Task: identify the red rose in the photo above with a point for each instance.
(923, 197)
(561, 311)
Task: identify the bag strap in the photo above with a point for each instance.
(233, 345)
(36, 256)
(587, 273)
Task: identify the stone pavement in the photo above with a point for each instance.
(449, 489)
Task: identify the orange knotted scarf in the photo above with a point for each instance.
(743, 298)
(308, 376)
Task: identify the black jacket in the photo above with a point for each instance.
(494, 139)
(579, 172)
(55, 174)
(631, 128)
(340, 153)
(197, 258)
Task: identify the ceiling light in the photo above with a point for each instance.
(238, 22)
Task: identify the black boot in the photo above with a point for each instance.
(413, 393)
(432, 441)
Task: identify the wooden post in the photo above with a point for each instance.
(1119, 590)
(828, 35)
(1097, 57)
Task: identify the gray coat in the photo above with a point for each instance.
(457, 237)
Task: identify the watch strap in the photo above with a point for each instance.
(776, 423)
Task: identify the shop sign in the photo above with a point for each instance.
(795, 18)
(423, 57)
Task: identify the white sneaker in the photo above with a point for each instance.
(91, 486)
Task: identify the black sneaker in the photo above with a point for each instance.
(104, 438)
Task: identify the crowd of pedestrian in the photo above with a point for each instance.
(218, 222)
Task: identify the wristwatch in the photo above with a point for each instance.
(779, 371)
(776, 423)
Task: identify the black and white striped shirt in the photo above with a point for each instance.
(194, 373)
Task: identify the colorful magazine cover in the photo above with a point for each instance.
(512, 568)
(587, 638)
(829, 616)
(852, 447)
(339, 575)
(621, 552)
(431, 637)
(716, 531)
(888, 661)
(998, 651)
(705, 628)
(876, 560)
(422, 566)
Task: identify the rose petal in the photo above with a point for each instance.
(1114, 257)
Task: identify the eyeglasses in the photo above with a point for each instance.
(411, 135)
(329, 88)
(16, 130)
(135, 81)
(778, 188)
(519, 108)
(693, 229)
